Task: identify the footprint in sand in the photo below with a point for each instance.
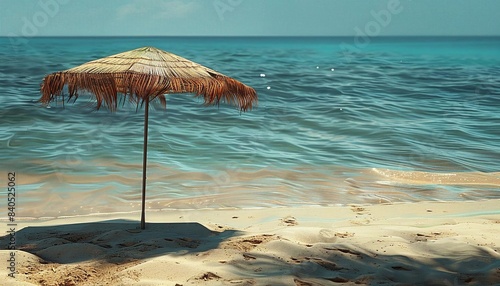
(357, 209)
(344, 234)
(328, 235)
(247, 244)
(207, 276)
(362, 215)
(289, 221)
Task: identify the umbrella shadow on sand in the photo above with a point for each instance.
(117, 241)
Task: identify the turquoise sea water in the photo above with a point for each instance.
(396, 119)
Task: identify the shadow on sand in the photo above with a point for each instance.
(82, 253)
(116, 241)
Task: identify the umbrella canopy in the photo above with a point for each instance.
(147, 73)
(142, 75)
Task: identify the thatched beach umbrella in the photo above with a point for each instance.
(143, 75)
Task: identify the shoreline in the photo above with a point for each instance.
(422, 242)
(156, 213)
(245, 189)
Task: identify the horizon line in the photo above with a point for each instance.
(242, 36)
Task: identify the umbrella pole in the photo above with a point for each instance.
(144, 165)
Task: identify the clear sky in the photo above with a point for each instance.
(248, 17)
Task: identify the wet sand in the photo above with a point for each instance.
(61, 194)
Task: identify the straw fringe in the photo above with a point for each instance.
(145, 74)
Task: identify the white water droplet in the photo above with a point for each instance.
(268, 87)
(333, 69)
(317, 67)
(262, 75)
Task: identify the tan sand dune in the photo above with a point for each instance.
(427, 243)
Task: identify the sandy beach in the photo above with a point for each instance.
(425, 243)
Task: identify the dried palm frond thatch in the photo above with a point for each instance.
(144, 74)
